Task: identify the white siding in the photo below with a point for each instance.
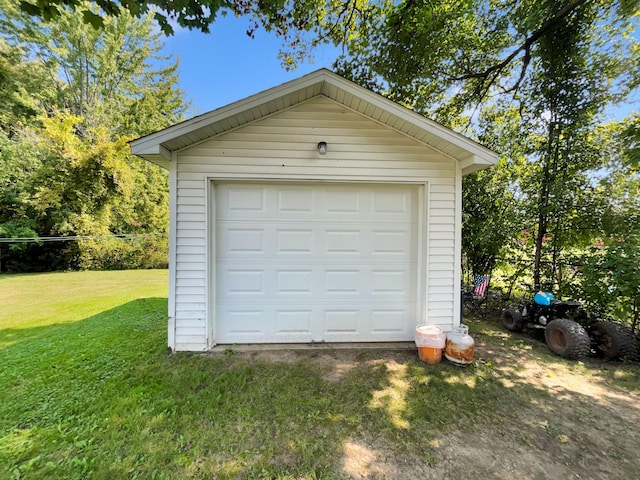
(283, 146)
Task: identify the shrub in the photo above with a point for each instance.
(113, 253)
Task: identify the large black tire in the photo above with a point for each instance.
(567, 338)
(613, 341)
(512, 320)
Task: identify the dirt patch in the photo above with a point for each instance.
(577, 422)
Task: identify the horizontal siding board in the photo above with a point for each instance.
(442, 197)
(188, 233)
(191, 241)
(440, 243)
(190, 266)
(185, 343)
(191, 290)
(198, 332)
(191, 258)
(187, 208)
(190, 315)
(190, 217)
(188, 184)
(443, 212)
(190, 274)
(190, 250)
(440, 263)
(189, 175)
(194, 226)
(443, 205)
(192, 323)
(185, 200)
(437, 252)
(440, 289)
(191, 192)
(441, 187)
(442, 227)
(438, 236)
(189, 282)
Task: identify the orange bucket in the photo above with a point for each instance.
(430, 355)
(430, 340)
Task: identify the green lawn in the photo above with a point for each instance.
(88, 389)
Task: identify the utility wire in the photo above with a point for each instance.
(73, 238)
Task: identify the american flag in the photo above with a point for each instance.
(480, 285)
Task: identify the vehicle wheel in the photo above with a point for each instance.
(613, 340)
(512, 320)
(567, 338)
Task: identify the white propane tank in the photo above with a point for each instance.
(460, 346)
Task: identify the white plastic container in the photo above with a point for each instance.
(460, 346)
(430, 340)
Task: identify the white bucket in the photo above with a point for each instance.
(430, 336)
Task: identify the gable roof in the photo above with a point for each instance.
(158, 147)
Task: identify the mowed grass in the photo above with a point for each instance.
(88, 389)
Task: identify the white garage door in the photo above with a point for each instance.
(313, 263)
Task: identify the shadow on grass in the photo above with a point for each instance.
(103, 398)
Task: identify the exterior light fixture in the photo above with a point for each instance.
(322, 148)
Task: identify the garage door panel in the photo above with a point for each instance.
(294, 241)
(295, 200)
(301, 263)
(390, 282)
(244, 282)
(244, 199)
(385, 203)
(342, 202)
(240, 241)
(388, 321)
(294, 322)
(396, 243)
(340, 241)
(294, 282)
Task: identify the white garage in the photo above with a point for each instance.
(316, 211)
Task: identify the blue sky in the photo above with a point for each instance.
(226, 65)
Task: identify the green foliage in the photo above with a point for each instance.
(24, 89)
(187, 13)
(611, 279)
(123, 253)
(532, 82)
(66, 167)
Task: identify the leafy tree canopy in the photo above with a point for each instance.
(329, 20)
(187, 13)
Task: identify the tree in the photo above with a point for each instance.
(187, 13)
(325, 21)
(108, 76)
(611, 274)
(560, 63)
(104, 88)
(492, 214)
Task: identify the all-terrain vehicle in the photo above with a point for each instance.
(568, 330)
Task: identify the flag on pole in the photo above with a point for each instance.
(480, 285)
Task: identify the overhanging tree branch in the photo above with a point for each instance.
(493, 72)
